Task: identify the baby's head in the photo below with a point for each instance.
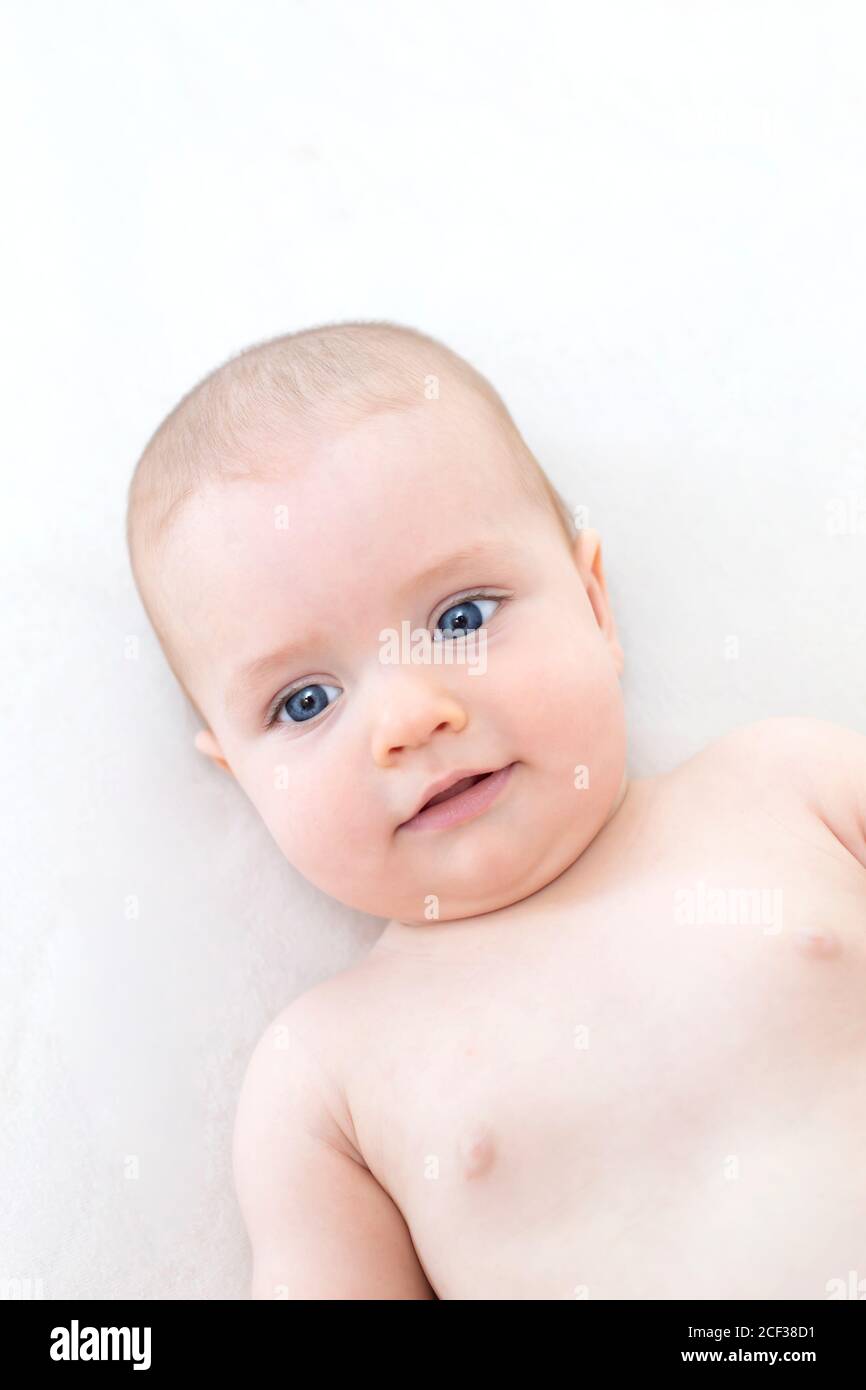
(300, 526)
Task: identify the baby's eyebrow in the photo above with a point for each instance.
(467, 554)
(246, 681)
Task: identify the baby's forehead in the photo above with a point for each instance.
(387, 469)
(350, 526)
(251, 576)
(365, 501)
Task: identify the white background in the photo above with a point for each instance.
(644, 222)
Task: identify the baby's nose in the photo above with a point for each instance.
(410, 718)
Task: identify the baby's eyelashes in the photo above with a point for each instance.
(467, 616)
(311, 699)
(304, 703)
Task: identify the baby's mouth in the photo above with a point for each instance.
(457, 788)
(463, 800)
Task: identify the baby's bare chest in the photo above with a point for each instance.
(712, 1004)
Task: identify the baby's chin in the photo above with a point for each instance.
(482, 900)
(466, 880)
(539, 829)
(478, 883)
(511, 854)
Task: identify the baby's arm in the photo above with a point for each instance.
(320, 1225)
(825, 763)
(837, 779)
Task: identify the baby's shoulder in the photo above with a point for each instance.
(803, 750)
(298, 1062)
(803, 762)
(319, 1015)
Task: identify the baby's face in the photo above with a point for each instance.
(284, 591)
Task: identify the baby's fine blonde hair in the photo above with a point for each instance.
(298, 385)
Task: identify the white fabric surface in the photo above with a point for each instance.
(643, 222)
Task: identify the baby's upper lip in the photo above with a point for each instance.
(444, 783)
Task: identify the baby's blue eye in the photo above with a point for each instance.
(305, 703)
(466, 616)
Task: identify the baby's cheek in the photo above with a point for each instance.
(570, 686)
(317, 819)
(584, 727)
(284, 800)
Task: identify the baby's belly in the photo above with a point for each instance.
(667, 1102)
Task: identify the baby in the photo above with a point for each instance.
(611, 1042)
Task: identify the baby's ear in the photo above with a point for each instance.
(587, 556)
(206, 743)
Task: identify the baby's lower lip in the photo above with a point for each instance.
(465, 806)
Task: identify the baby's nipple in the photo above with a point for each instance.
(476, 1150)
(818, 942)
